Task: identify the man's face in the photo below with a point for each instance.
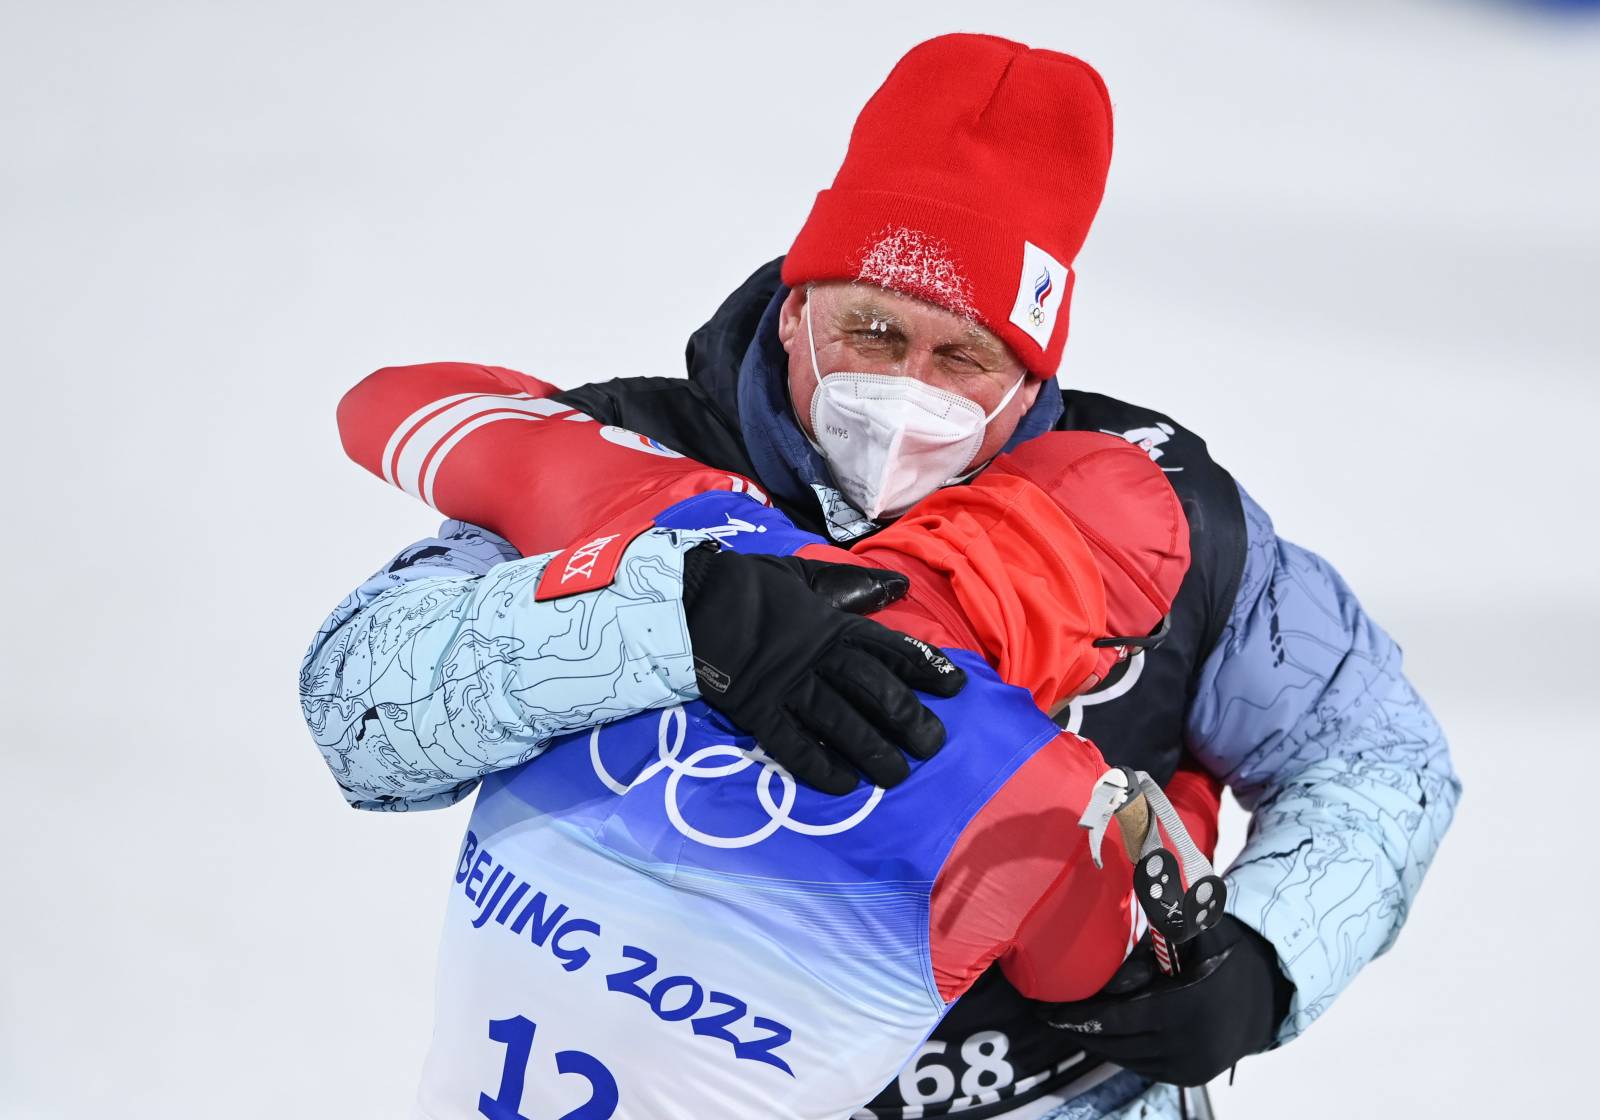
(867, 329)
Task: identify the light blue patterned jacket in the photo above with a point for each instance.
(441, 668)
(1303, 710)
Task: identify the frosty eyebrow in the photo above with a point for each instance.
(985, 342)
(868, 316)
(871, 316)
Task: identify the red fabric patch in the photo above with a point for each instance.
(587, 566)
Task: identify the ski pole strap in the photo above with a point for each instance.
(1116, 794)
(1176, 910)
(1195, 865)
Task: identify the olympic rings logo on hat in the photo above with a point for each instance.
(671, 731)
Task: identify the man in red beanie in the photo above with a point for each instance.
(913, 332)
(932, 280)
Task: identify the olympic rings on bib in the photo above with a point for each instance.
(671, 732)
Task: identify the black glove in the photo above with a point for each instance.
(1227, 1002)
(824, 692)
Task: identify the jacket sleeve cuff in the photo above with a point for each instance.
(658, 663)
(1251, 899)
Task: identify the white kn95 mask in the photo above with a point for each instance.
(889, 440)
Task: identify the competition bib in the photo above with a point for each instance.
(650, 922)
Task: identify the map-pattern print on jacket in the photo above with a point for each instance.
(442, 668)
(1303, 710)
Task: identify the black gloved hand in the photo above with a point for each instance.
(824, 692)
(1226, 1003)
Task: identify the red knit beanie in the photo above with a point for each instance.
(970, 182)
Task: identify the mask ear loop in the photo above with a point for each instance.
(811, 343)
(1005, 400)
(816, 373)
(987, 420)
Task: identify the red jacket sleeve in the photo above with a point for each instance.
(1022, 847)
(486, 445)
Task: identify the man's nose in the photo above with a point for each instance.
(918, 363)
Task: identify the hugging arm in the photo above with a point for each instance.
(442, 667)
(461, 657)
(1304, 711)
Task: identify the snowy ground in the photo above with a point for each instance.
(1355, 245)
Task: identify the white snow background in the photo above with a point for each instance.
(1354, 245)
